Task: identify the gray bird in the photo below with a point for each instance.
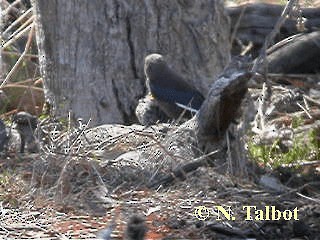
(173, 94)
(136, 228)
(26, 125)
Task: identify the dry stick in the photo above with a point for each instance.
(259, 119)
(263, 56)
(272, 34)
(308, 198)
(233, 35)
(230, 168)
(15, 38)
(99, 176)
(246, 49)
(296, 190)
(292, 75)
(69, 132)
(306, 104)
(167, 152)
(301, 164)
(18, 20)
(181, 171)
(16, 65)
(19, 54)
(24, 25)
(114, 139)
(79, 134)
(311, 100)
(305, 110)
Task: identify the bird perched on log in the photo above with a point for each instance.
(26, 125)
(173, 93)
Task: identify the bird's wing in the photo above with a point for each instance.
(192, 99)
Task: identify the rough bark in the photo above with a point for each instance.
(221, 106)
(92, 52)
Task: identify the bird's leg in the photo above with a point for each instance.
(31, 143)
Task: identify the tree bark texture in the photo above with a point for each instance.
(92, 52)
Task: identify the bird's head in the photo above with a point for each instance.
(154, 65)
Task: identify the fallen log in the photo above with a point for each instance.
(210, 125)
(253, 22)
(296, 54)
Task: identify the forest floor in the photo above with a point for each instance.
(184, 210)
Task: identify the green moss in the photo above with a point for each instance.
(297, 121)
(273, 156)
(4, 178)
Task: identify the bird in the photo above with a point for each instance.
(172, 92)
(26, 125)
(136, 228)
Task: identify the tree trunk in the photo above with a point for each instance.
(92, 52)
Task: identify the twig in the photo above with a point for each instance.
(230, 168)
(311, 100)
(12, 71)
(233, 35)
(181, 171)
(16, 37)
(305, 110)
(306, 104)
(23, 26)
(301, 164)
(308, 198)
(287, 9)
(18, 20)
(167, 152)
(260, 119)
(19, 54)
